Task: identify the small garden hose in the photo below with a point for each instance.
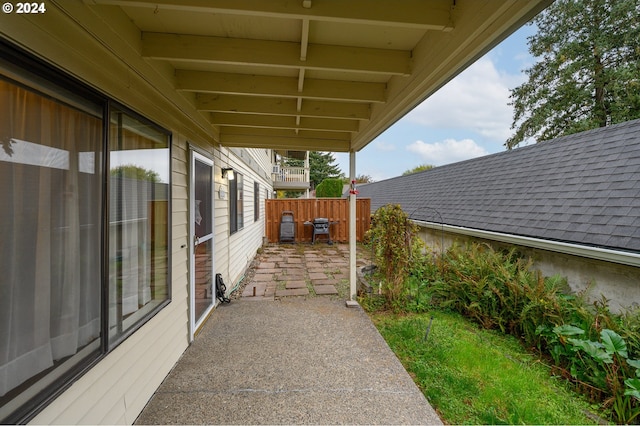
(235, 288)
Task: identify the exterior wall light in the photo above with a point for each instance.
(228, 173)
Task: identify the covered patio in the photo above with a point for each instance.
(290, 353)
(307, 75)
(222, 84)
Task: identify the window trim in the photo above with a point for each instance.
(234, 213)
(256, 201)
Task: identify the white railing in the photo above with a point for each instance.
(290, 174)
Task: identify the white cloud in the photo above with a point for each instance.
(447, 151)
(476, 100)
(384, 146)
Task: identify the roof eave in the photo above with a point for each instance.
(591, 252)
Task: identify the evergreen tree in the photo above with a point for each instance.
(330, 187)
(321, 166)
(587, 73)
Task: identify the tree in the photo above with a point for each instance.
(132, 171)
(587, 73)
(330, 187)
(321, 166)
(416, 169)
(359, 179)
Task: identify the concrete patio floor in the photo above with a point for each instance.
(286, 359)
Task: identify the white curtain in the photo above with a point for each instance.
(132, 234)
(50, 230)
(130, 227)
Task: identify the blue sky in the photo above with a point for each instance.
(469, 117)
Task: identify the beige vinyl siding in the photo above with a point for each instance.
(262, 157)
(74, 39)
(180, 227)
(221, 214)
(121, 384)
(235, 252)
(117, 388)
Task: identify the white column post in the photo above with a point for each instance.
(307, 174)
(352, 229)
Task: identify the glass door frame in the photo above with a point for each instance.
(196, 323)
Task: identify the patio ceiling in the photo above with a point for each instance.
(327, 75)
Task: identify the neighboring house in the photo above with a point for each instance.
(572, 204)
(106, 277)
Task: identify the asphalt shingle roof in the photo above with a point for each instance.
(582, 188)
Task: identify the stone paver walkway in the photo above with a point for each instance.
(284, 270)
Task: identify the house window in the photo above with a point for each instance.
(75, 278)
(51, 180)
(138, 221)
(235, 203)
(256, 201)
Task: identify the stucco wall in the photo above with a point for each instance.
(620, 284)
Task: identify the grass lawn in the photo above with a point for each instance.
(476, 376)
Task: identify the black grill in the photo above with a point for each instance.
(321, 227)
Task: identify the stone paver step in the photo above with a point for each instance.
(292, 292)
(325, 281)
(291, 277)
(296, 284)
(325, 289)
(317, 275)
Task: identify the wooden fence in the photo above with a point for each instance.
(307, 209)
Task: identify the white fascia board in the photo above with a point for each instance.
(622, 257)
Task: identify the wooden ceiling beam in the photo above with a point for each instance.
(419, 14)
(287, 87)
(285, 139)
(283, 122)
(222, 50)
(281, 106)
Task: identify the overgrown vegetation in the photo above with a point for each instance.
(596, 350)
(477, 376)
(394, 242)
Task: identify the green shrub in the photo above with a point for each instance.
(499, 290)
(395, 245)
(330, 187)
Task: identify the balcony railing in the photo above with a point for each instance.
(285, 177)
